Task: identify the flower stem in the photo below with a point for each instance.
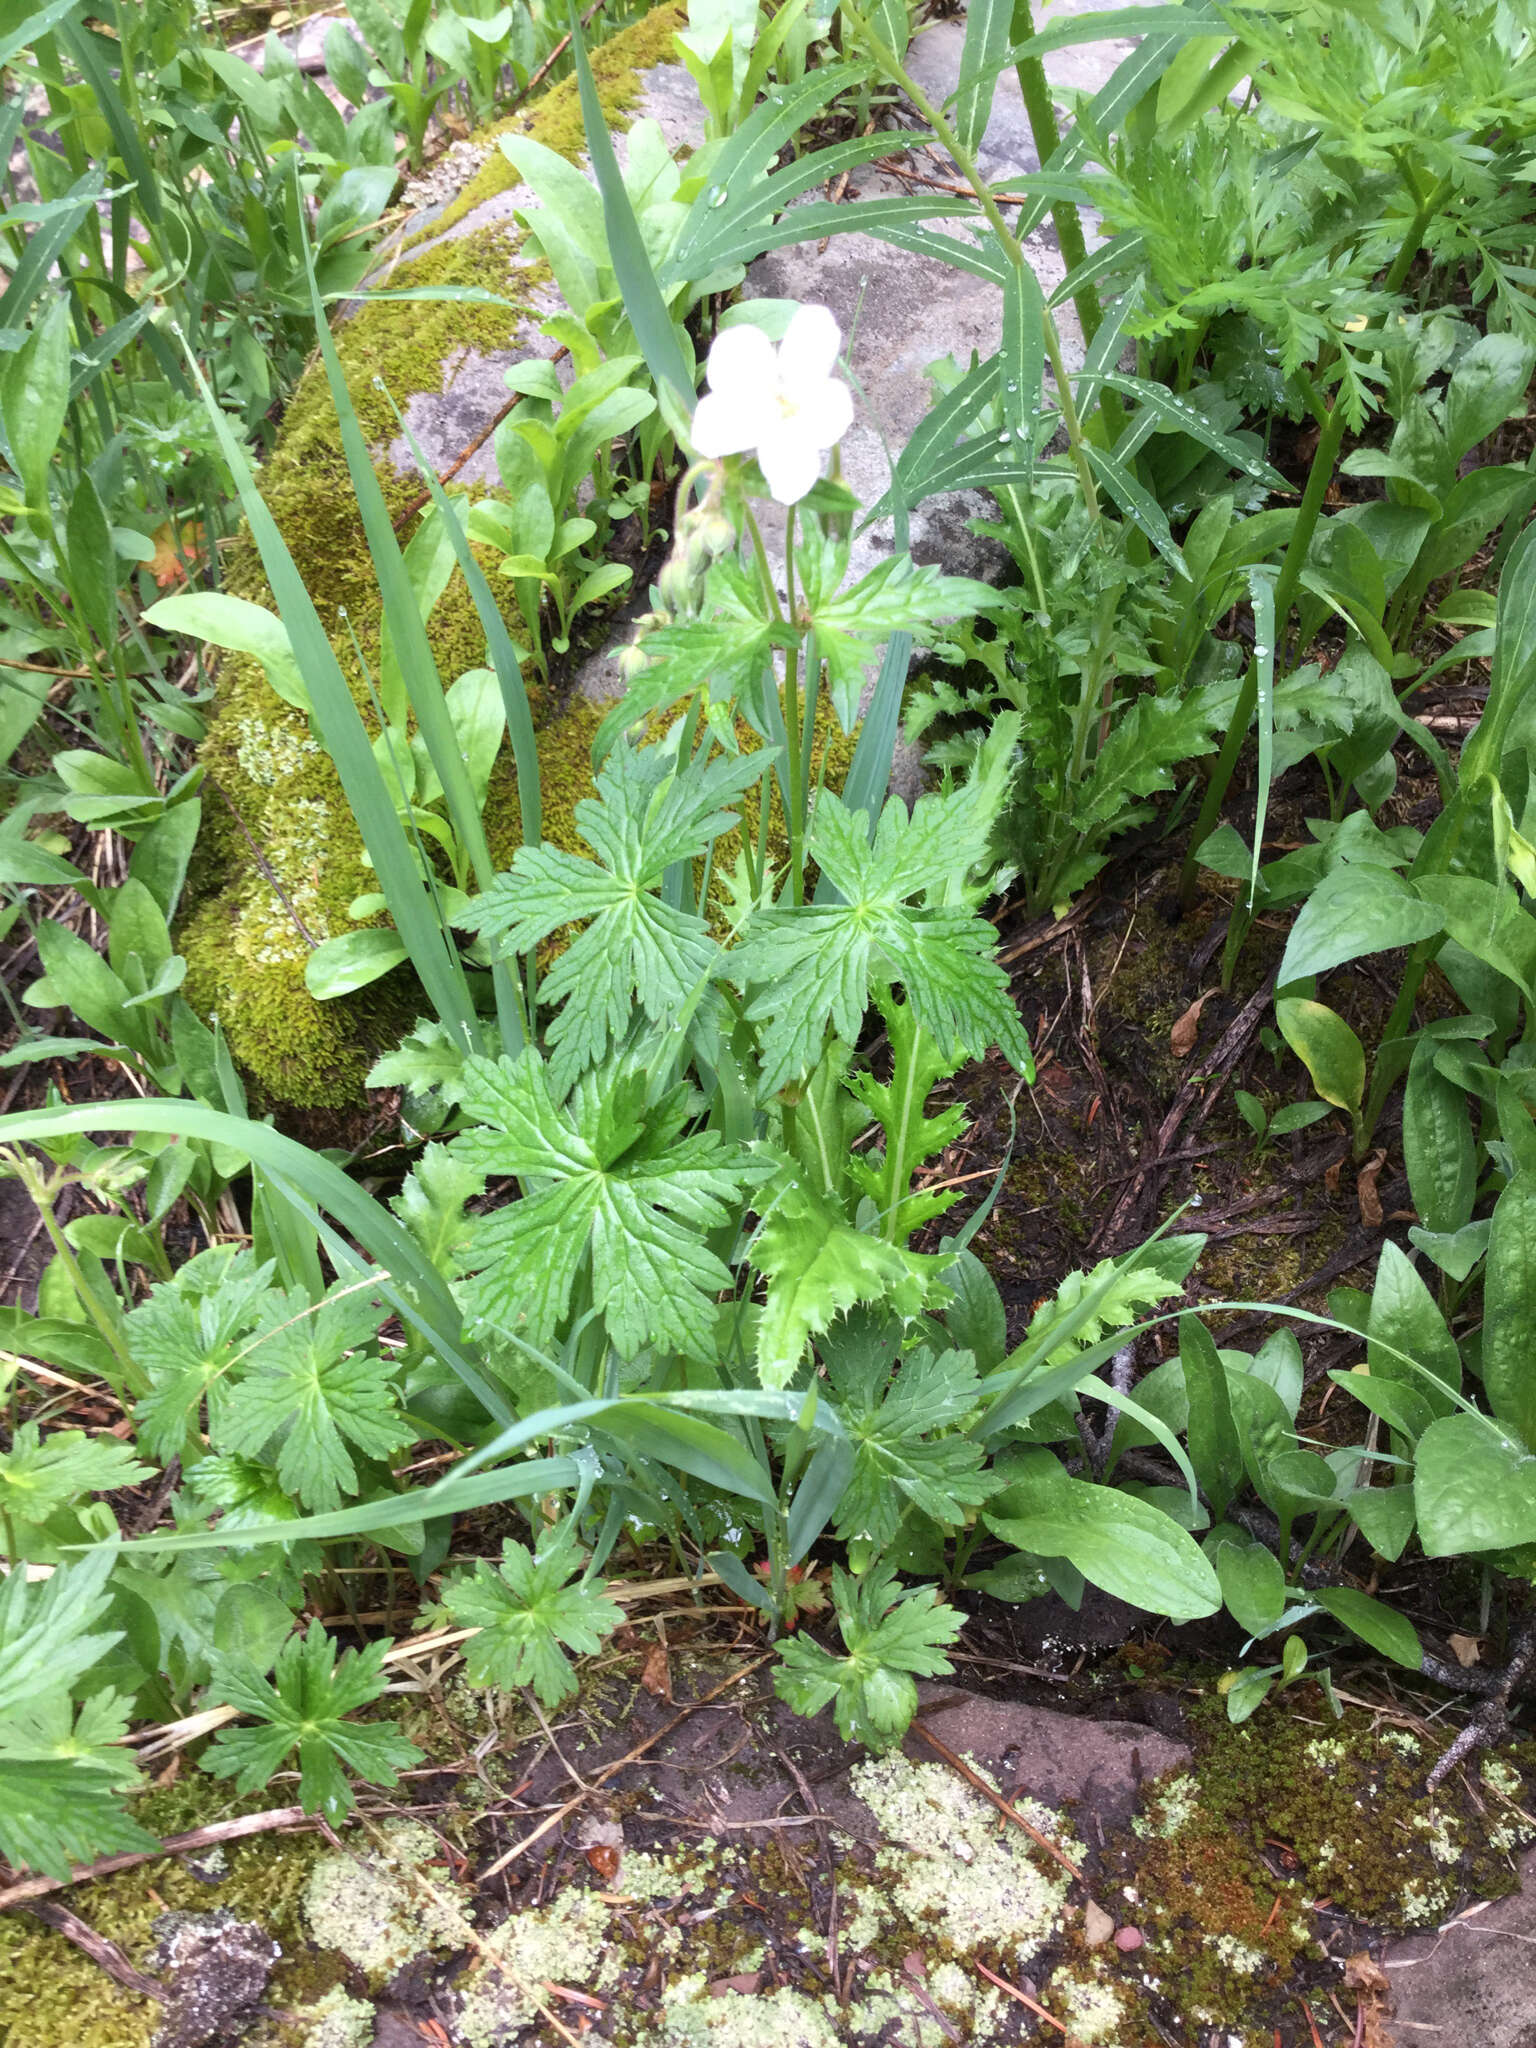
(794, 793)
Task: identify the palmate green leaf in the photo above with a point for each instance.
(46, 1638)
(814, 967)
(818, 1265)
(635, 949)
(889, 1634)
(39, 1475)
(185, 1336)
(529, 1615)
(56, 1812)
(853, 625)
(617, 1185)
(311, 1388)
(53, 1729)
(304, 1707)
(728, 648)
(899, 1457)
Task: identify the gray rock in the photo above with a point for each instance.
(900, 313)
(1471, 1982)
(216, 1968)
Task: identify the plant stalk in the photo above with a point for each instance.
(1007, 240)
(1041, 111)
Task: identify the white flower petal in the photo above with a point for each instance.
(809, 348)
(730, 423)
(790, 462)
(824, 413)
(741, 359)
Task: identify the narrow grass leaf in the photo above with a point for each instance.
(1120, 252)
(402, 613)
(1129, 85)
(1137, 503)
(42, 23)
(1262, 590)
(1022, 355)
(983, 57)
(643, 302)
(1179, 412)
(735, 195)
(452, 1495)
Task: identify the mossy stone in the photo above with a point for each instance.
(281, 857)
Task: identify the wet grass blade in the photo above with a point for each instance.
(643, 302)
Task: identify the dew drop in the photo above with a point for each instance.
(720, 197)
(1005, 436)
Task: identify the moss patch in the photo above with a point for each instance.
(51, 1994)
(1235, 1871)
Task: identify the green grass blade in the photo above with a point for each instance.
(401, 611)
(1262, 587)
(432, 952)
(90, 52)
(27, 32)
(643, 302)
(449, 1496)
(499, 644)
(44, 246)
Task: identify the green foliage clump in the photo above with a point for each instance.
(278, 827)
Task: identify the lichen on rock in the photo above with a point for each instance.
(948, 1871)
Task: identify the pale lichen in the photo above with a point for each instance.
(950, 1872)
(777, 2019)
(1092, 2009)
(339, 2021)
(561, 1943)
(379, 1908)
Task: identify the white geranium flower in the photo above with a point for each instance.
(783, 403)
